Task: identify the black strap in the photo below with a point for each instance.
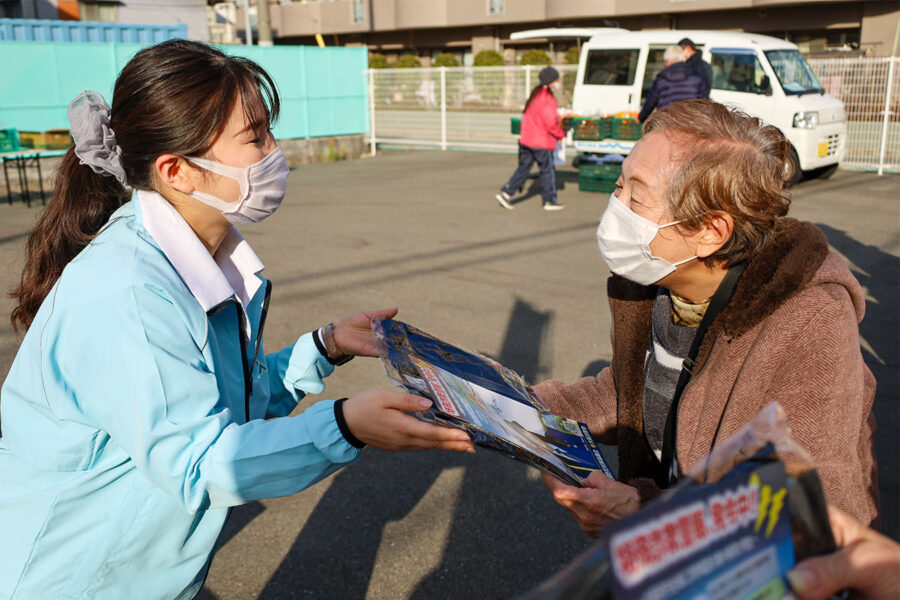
(669, 467)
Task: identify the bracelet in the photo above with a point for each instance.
(332, 354)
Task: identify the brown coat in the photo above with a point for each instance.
(790, 334)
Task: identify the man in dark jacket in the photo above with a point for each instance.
(678, 81)
(693, 58)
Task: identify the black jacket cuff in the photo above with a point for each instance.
(342, 425)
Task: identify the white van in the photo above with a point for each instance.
(764, 76)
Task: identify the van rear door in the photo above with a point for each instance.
(609, 81)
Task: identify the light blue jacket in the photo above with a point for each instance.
(125, 428)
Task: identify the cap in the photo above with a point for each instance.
(687, 42)
(548, 75)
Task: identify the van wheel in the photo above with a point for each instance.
(576, 162)
(792, 172)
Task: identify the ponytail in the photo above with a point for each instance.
(533, 95)
(81, 204)
(175, 97)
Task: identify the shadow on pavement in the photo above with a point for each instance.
(879, 273)
(501, 541)
(534, 189)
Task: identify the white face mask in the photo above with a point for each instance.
(624, 240)
(262, 184)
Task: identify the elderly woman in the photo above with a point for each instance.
(720, 305)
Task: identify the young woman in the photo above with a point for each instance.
(540, 133)
(141, 405)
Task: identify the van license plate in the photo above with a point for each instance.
(822, 149)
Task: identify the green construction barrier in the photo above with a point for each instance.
(323, 90)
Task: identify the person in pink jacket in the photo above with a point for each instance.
(537, 142)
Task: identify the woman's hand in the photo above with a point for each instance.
(377, 418)
(865, 561)
(602, 501)
(353, 335)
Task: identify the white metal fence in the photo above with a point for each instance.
(470, 107)
(453, 106)
(869, 90)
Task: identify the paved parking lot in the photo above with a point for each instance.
(420, 230)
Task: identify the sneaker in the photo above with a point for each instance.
(553, 206)
(503, 199)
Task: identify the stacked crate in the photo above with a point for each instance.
(598, 178)
(591, 128)
(625, 128)
(9, 140)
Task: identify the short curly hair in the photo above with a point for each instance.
(727, 162)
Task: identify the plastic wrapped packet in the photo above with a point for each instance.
(729, 530)
(493, 404)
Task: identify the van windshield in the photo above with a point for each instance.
(611, 67)
(793, 73)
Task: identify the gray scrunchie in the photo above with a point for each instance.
(95, 141)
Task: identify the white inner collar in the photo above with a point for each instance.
(212, 279)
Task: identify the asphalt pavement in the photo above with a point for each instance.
(420, 230)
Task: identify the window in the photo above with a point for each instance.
(495, 7)
(99, 10)
(792, 71)
(611, 67)
(737, 71)
(655, 65)
(359, 12)
(10, 9)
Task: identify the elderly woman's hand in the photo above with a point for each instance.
(353, 334)
(602, 501)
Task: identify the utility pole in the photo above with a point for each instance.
(263, 25)
(248, 31)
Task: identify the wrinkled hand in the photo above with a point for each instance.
(353, 335)
(866, 561)
(377, 418)
(602, 501)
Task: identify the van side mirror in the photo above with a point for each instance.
(765, 85)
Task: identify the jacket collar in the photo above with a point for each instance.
(212, 279)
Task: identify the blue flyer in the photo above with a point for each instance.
(731, 540)
(491, 403)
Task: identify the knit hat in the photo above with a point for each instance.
(548, 75)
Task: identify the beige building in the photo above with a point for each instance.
(465, 27)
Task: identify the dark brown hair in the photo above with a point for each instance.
(728, 162)
(175, 97)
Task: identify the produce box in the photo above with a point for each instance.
(9, 140)
(52, 139)
(515, 126)
(625, 128)
(591, 128)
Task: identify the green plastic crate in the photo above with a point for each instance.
(515, 126)
(591, 128)
(604, 171)
(592, 184)
(9, 140)
(625, 128)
